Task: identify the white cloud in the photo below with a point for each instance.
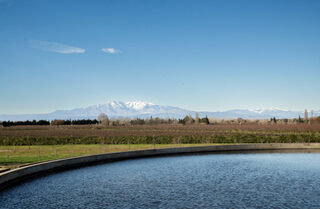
(110, 50)
(55, 47)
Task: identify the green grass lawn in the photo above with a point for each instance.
(17, 155)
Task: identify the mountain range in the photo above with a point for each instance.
(145, 109)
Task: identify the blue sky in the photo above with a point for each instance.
(202, 55)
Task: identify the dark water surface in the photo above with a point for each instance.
(287, 180)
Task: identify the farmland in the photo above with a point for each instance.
(28, 144)
(160, 134)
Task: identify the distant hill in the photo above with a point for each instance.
(145, 109)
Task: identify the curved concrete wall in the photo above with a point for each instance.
(17, 175)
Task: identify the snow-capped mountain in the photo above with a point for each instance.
(112, 109)
(145, 109)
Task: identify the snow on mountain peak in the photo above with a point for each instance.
(114, 103)
(260, 111)
(138, 105)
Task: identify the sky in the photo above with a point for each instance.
(200, 55)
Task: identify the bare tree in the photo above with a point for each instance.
(103, 119)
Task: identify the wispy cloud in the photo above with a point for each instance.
(55, 47)
(110, 50)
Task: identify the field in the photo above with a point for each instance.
(29, 144)
(16, 155)
(158, 134)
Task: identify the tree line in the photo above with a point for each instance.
(104, 120)
(24, 123)
(74, 122)
(190, 120)
(313, 120)
(47, 122)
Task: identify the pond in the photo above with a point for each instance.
(254, 180)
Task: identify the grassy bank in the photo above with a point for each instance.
(15, 155)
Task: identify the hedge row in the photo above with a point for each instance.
(234, 138)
